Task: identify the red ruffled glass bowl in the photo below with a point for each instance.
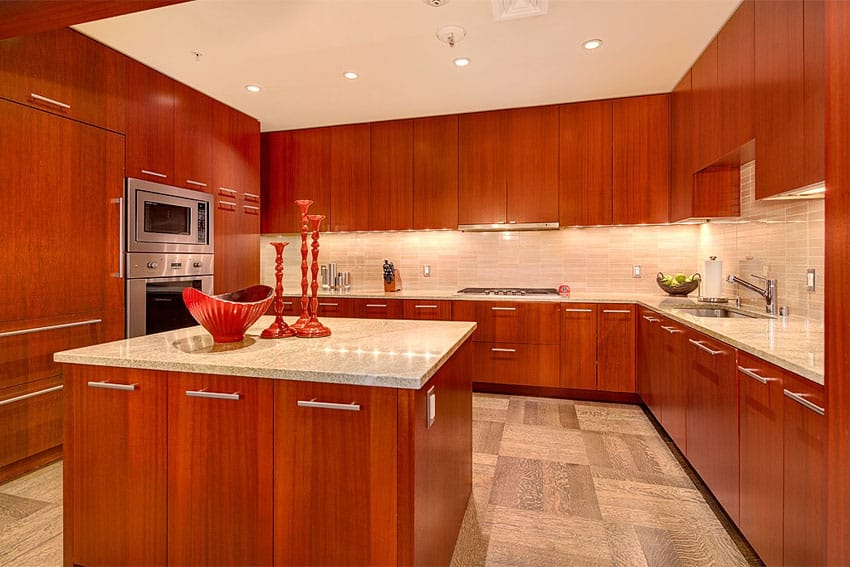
(228, 316)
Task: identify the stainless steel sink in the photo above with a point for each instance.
(723, 312)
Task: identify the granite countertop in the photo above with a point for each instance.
(793, 343)
(367, 352)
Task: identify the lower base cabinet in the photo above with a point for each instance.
(512, 363)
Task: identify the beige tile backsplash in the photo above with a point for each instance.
(781, 239)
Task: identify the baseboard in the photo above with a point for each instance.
(562, 393)
(31, 463)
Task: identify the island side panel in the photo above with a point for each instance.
(335, 474)
(114, 467)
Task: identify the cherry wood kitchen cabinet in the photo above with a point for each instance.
(482, 179)
(761, 402)
(804, 468)
(681, 150)
(578, 346)
(705, 95)
(673, 380)
(193, 139)
(376, 308)
(790, 116)
(335, 307)
(116, 425)
(585, 184)
(511, 321)
(712, 418)
(220, 483)
(641, 159)
(427, 309)
(519, 364)
(650, 371)
(66, 73)
(150, 124)
(736, 78)
(615, 348)
(435, 172)
(349, 176)
(391, 196)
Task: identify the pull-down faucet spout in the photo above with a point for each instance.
(768, 293)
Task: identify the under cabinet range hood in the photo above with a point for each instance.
(506, 226)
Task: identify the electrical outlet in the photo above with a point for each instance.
(635, 271)
(810, 279)
(426, 271)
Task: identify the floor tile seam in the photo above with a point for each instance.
(542, 514)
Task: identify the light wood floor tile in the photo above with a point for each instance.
(487, 436)
(44, 555)
(657, 546)
(545, 443)
(44, 485)
(626, 549)
(599, 417)
(13, 509)
(29, 535)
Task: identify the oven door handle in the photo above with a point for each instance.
(120, 202)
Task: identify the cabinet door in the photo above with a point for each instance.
(615, 350)
(641, 159)
(115, 463)
(482, 181)
(713, 418)
(513, 363)
(391, 197)
(350, 167)
(335, 307)
(219, 470)
(226, 241)
(672, 380)
(578, 346)
(511, 322)
(585, 164)
(31, 422)
(376, 308)
(335, 459)
(193, 139)
(531, 167)
(814, 78)
(681, 158)
(761, 400)
(736, 77)
(804, 500)
(426, 309)
(435, 172)
(648, 365)
(150, 124)
(66, 73)
(705, 92)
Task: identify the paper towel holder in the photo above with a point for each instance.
(711, 299)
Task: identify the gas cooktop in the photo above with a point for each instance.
(510, 290)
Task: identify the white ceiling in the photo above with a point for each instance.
(297, 51)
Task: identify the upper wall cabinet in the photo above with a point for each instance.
(435, 170)
(482, 186)
(736, 78)
(705, 97)
(790, 115)
(391, 197)
(681, 150)
(193, 138)
(150, 124)
(66, 73)
(585, 166)
(641, 159)
(350, 178)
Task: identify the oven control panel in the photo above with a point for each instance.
(154, 265)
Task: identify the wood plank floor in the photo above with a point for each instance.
(556, 482)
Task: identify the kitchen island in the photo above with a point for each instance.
(355, 449)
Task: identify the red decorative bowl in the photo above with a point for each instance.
(228, 316)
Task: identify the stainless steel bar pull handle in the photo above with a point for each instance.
(50, 328)
(353, 406)
(252, 197)
(502, 350)
(154, 173)
(751, 372)
(651, 319)
(503, 308)
(804, 402)
(50, 101)
(376, 305)
(30, 395)
(702, 346)
(328, 304)
(112, 386)
(213, 395)
(616, 311)
(672, 330)
(120, 202)
(571, 310)
(198, 183)
(425, 306)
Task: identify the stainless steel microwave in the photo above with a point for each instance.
(161, 218)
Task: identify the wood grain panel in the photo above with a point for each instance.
(115, 468)
(578, 346)
(585, 163)
(430, 310)
(513, 363)
(349, 178)
(335, 476)
(705, 93)
(435, 172)
(641, 158)
(512, 322)
(482, 174)
(150, 124)
(681, 150)
(649, 366)
(736, 78)
(279, 212)
(615, 351)
(220, 481)
(335, 307)
(376, 308)
(391, 196)
(193, 139)
(531, 166)
(814, 79)
(673, 380)
(717, 192)
(32, 425)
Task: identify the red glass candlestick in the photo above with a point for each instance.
(279, 329)
(303, 204)
(313, 328)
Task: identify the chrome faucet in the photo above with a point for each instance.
(768, 293)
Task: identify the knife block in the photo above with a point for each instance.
(395, 284)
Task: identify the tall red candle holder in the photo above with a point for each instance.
(279, 329)
(313, 328)
(303, 204)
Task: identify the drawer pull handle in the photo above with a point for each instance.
(224, 191)
(50, 328)
(30, 395)
(252, 197)
(250, 210)
(287, 303)
(198, 183)
(120, 202)
(570, 310)
(154, 173)
(226, 206)
(672, 330)
(503, 308)
(328, 304)
(804, 402)
(616, 311)
(353, 406)
(212, 395)
(112, 386)
(424, 306)
(50, 101)
(751, 372)
(651, 319)
(502, 350)
(381, 305)
(700, 344)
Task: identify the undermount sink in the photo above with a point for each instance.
(723, 312)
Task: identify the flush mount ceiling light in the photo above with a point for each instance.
(461, 61)
(515, 9)
(253, 88)
(436, 3)
(452, 35)
(350, 75)
(592, 44)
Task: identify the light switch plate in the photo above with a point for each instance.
(431, 407)
(426, 271)
(636, 271)
(811, 279)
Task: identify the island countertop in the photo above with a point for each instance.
(368, 352)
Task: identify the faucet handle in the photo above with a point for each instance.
(760, 277)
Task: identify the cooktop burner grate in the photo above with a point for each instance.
(509, 291)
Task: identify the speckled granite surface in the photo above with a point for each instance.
(367, 352)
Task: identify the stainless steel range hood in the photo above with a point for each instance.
(507, 226)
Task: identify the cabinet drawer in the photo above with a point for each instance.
(376, 308)
(30, 419)
(334, 307)
(513, 363)
(511, 321)
(425, 309)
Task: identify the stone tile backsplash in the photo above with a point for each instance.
(779, 238)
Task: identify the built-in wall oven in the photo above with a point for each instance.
(169, 246)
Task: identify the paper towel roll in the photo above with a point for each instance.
(712, 280)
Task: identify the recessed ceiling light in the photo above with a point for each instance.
(461, 61)
(253, 88)
(350, 75)
(592, 44)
